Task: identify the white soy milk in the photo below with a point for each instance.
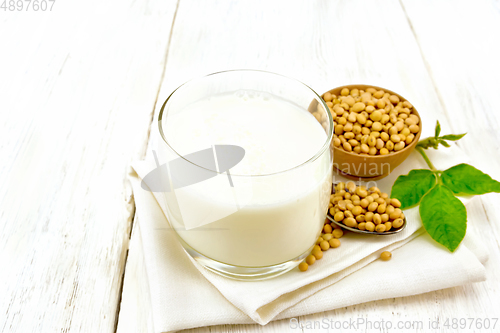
(278, 214)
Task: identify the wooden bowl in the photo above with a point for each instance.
(370, 167)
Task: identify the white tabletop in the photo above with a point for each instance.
(79, 87)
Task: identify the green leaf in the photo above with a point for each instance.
(464, 178)
(453, 137)
(444, 216)
(409, 189)
(444, 143)
(438, 129)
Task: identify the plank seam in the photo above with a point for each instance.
(120, 293)
(167, 50)
(427, 66)
(122, 279)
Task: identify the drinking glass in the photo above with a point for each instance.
(245, 225)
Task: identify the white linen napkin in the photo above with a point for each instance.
(185, 295)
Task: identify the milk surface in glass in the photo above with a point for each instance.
(281, 201)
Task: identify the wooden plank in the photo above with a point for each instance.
(135, 309)
(326, 44)
(460, 55)
(464, 69)
(78, 87)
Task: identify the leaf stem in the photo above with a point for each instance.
(427, 160)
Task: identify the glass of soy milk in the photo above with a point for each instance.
(248, 170)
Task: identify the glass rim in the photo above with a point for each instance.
(308, 161)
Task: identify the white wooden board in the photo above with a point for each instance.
(78, 87)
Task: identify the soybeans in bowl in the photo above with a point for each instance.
(375, 130)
